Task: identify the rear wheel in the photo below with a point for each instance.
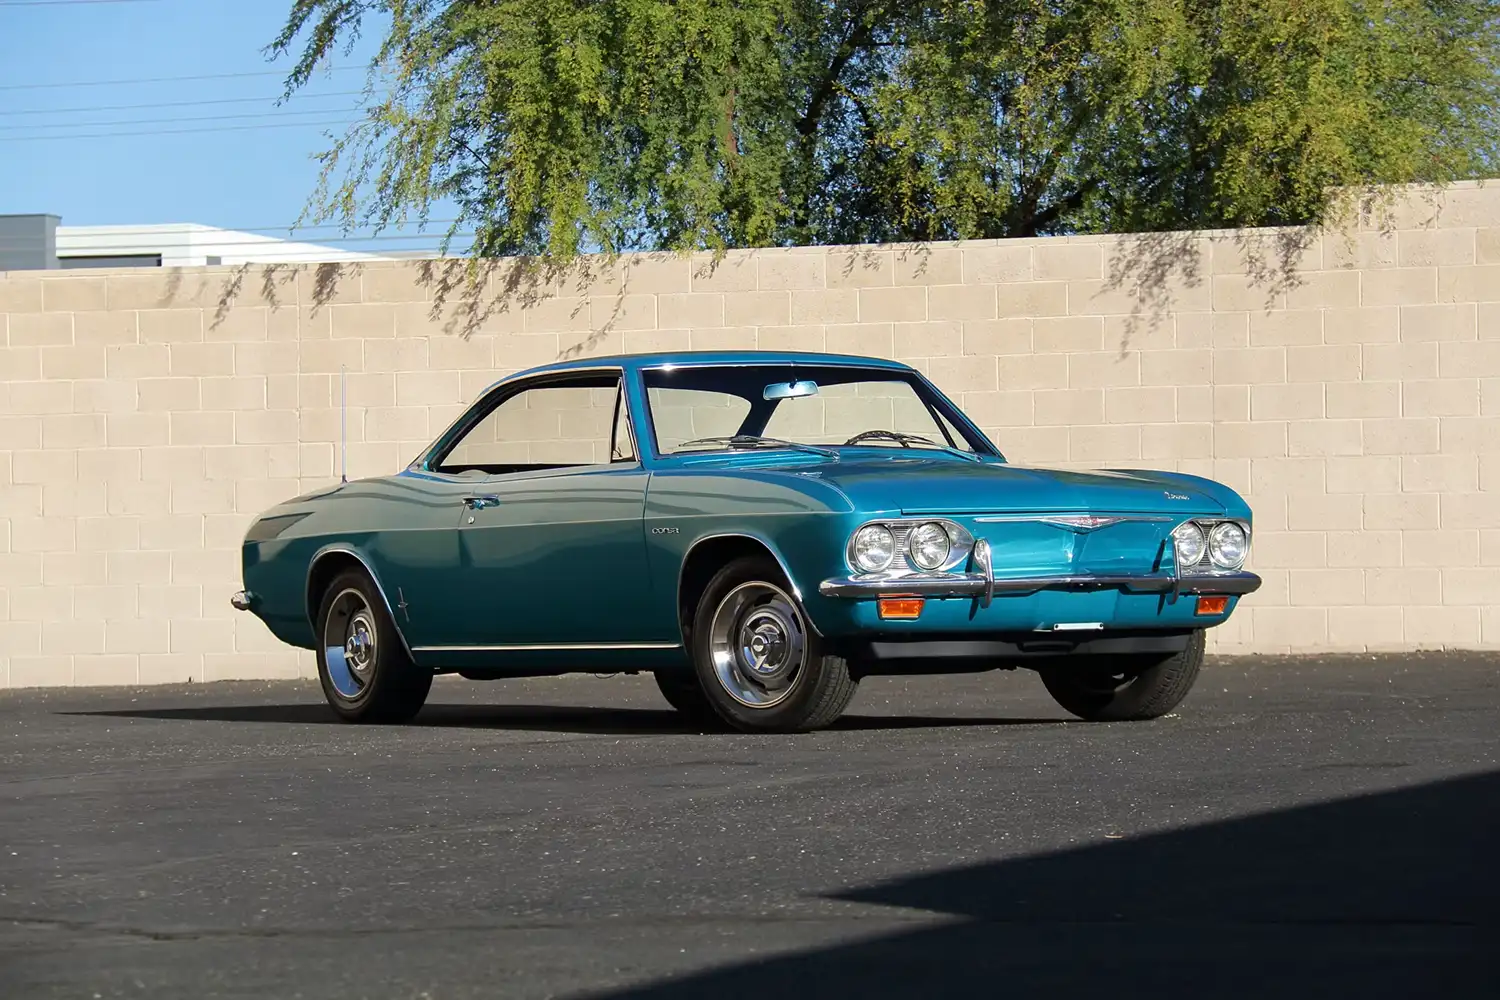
(759, 664)
(366, 673)
(1118, 689)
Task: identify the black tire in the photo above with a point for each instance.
(388, 687)
(813, 688)
(683, 693)
(1122, 689)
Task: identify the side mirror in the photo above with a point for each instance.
(790, 390)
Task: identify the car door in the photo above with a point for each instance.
(549, 500)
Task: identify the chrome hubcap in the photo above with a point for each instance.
(350, 644)
(758, 644)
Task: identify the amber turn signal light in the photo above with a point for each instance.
(900, 607)
(1212, 605)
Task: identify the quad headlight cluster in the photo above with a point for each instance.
(910, 546)
(1206, 546)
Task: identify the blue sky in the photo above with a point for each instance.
(251, 177)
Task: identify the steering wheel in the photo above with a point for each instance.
(904, 440)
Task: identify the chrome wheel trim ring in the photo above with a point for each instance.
(757, 643)
(350, 644)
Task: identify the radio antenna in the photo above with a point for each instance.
(343, 424)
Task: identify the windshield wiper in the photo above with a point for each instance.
(907, 440)
(756, 441)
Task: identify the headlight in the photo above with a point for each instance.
(929, 545)
(873, 548)
(1227, 545)
(1187, 540)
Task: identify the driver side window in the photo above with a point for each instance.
(557, 425)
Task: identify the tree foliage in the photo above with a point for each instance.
(561, 126)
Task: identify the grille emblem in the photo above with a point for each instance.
(1081, 522)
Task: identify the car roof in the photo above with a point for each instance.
(634, 362)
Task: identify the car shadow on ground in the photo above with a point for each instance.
(1386, 895)
(540, 718)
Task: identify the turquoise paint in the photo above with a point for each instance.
(594, 555)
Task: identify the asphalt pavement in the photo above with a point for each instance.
(1314, 827)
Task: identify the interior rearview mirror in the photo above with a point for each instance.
(790, 390)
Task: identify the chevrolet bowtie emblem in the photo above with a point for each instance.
(1082, 522)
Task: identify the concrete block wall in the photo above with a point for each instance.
(146, 417)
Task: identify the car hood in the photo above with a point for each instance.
(947, 485)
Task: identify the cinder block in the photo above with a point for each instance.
(1364, 474)
(925, 265)
(1175, 441)
(106, 329)
(892, 305)
(1040, 298)
(1300, 628)
(687, 311)
(1441, 628)
(860, 269)
(1058, 261)
(1331, 512)
(1432, 247)
(1068, 406)
(1440, 397)
(1177, 368)
(1406, 587)
(1287, 327)
(840, 305)
(1359, 628)
(1444, 322)
(1373, 325)
(1324, 290)
(1487, 245)
(1326, 587)
(143, 569)
(1105, 368)
(778, 270)
(130, 361)
(1253, 366)
(769, 308)
(1289, 401)
(1302, 476)
(1398, 362)
(40, 329)
(398, 283)
(1364, 399)
(1333, 363)
(170, 668)
(1104, 445)
(71, 637)
(1000, 409)
(70, 430)
(1403, 436)
(961, 302)
(1251, 440)
(169, 326)
(1469, 435)
(731, 273)
(622, 312)
(1471, 510)
(1479, 283)
(20, 295)
(651, 341)
(1364, 549)
(993, 264)
(1403, 511)
(1441, 549)
(1140, 405)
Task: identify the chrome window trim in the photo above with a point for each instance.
(515, 384)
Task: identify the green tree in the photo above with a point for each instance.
(562, 126)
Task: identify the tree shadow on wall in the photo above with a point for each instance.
(1386, 895)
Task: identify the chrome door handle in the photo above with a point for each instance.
(480, 502)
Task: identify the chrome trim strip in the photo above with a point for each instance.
(349, 551)
(1054, 519)
(548, 647)
(977, 584)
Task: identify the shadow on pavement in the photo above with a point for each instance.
(543, 718)
(1389, 895)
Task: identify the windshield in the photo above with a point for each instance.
(813, 407)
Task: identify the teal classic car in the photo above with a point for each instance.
(759, 531)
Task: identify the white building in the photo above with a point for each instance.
(186, 245)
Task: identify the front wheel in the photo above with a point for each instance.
(1119, 689)
(366, 673)
(759, 664)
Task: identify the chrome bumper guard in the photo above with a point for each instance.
(242, 600)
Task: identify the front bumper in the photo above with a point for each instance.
(981, 583)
